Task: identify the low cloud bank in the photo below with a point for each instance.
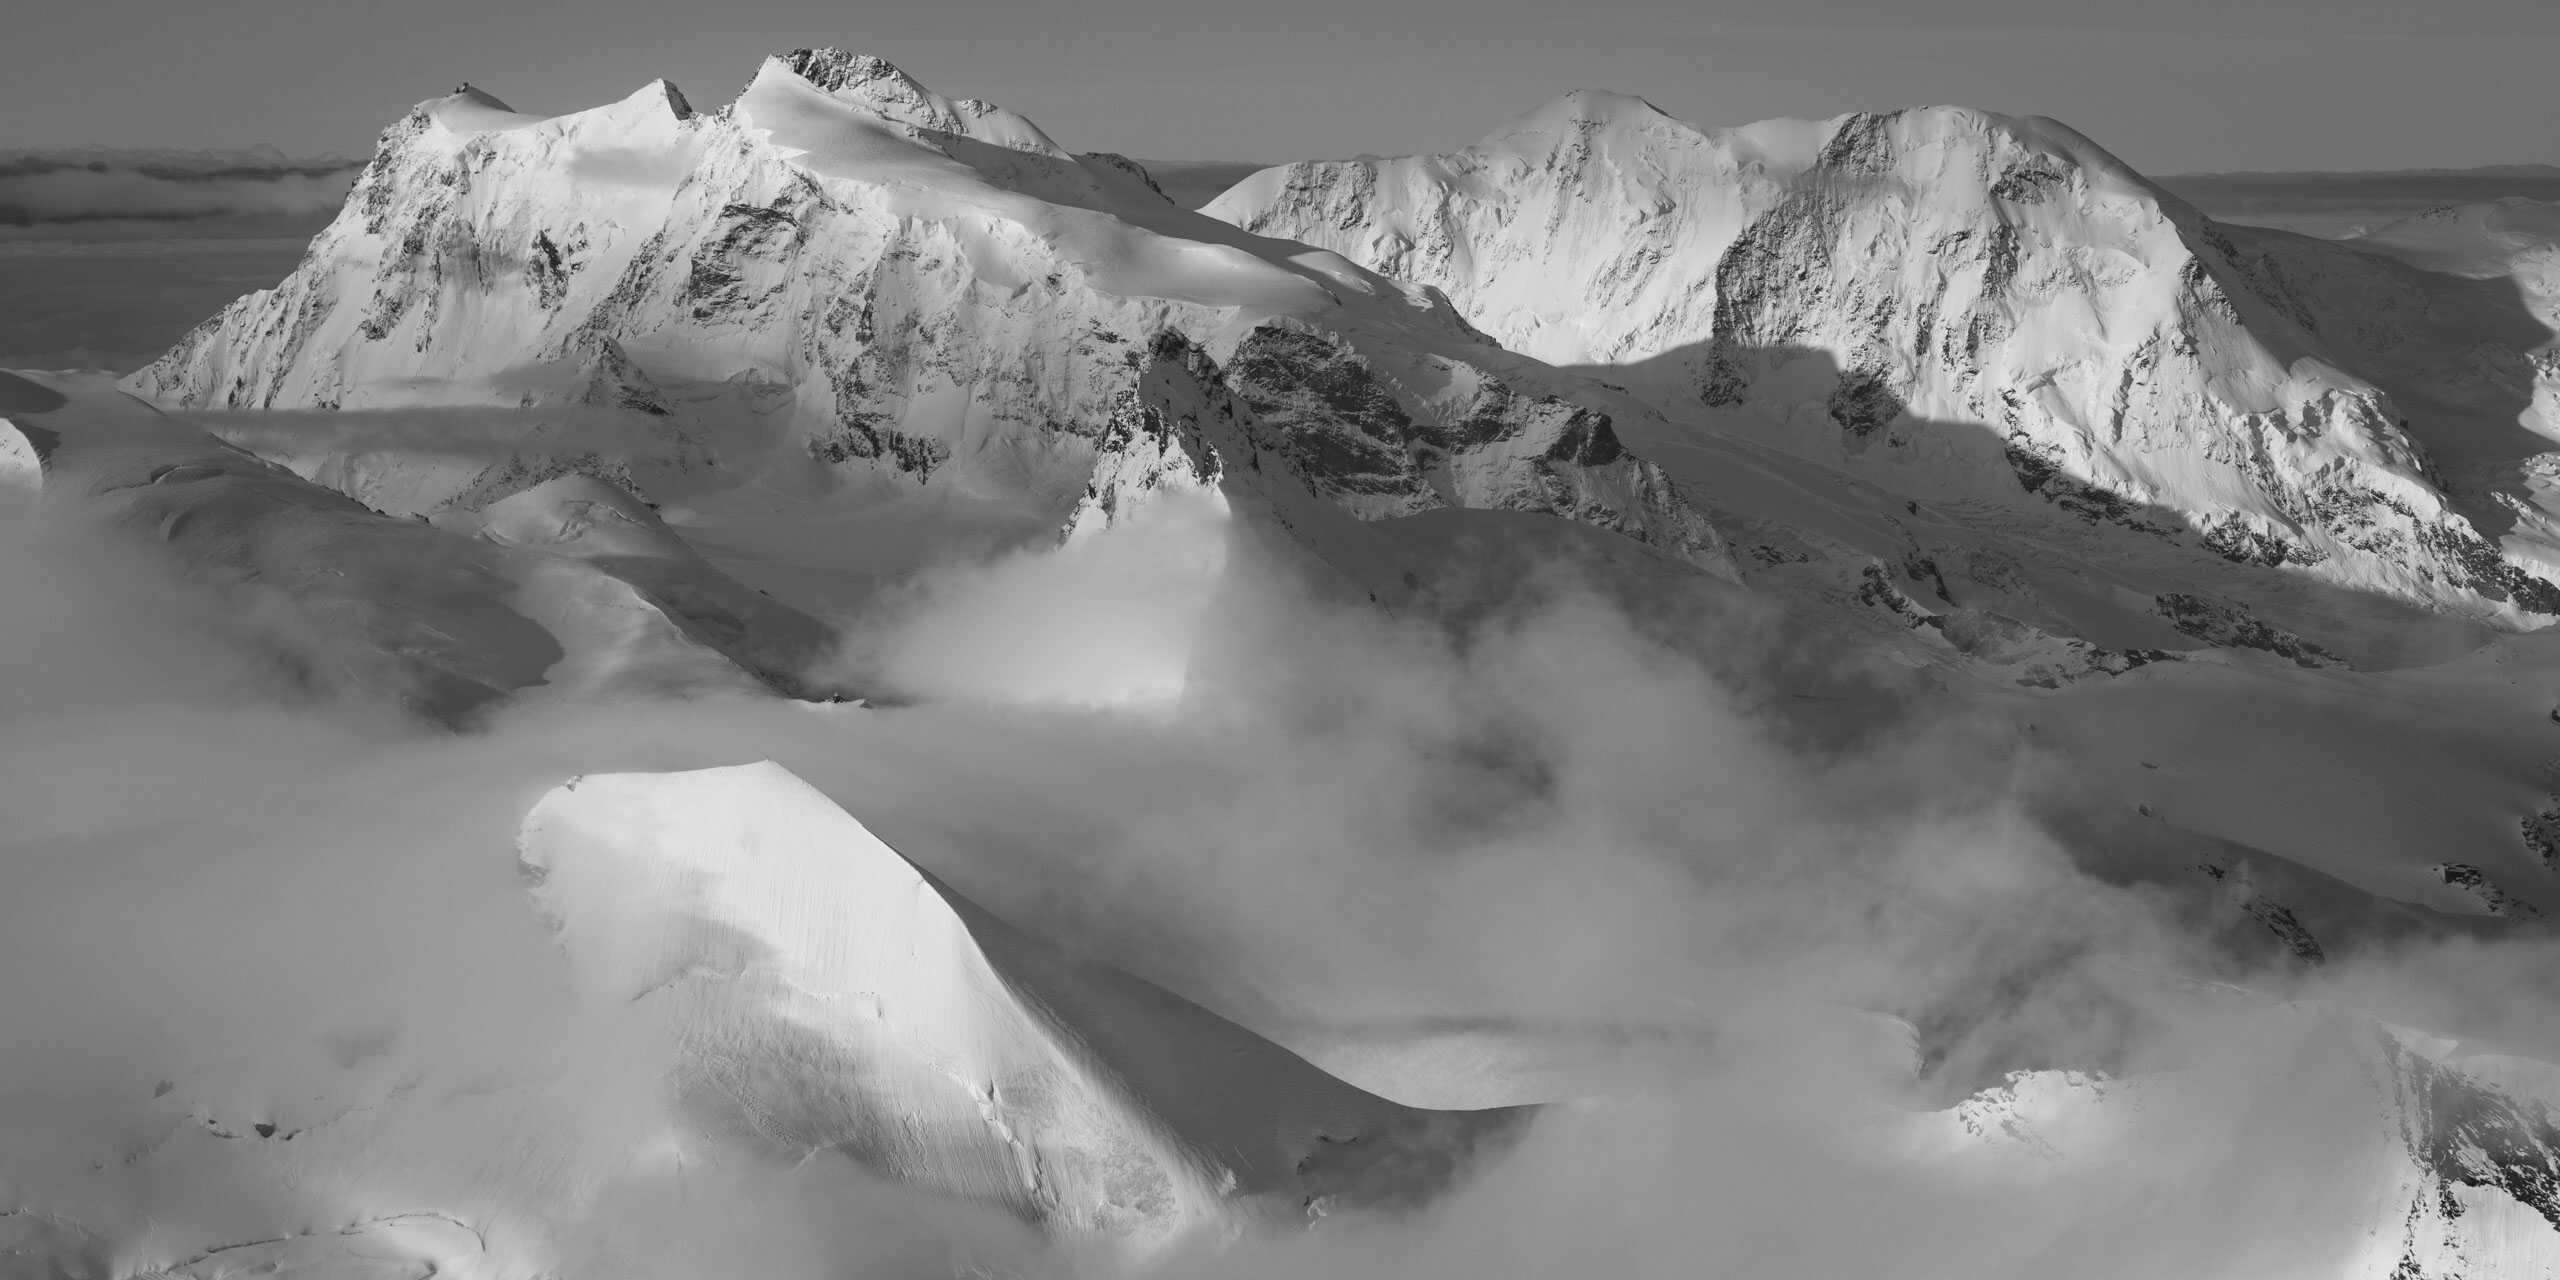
(2351, 204)
(1356, 831)
(41, 187)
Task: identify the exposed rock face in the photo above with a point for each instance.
(1154, 447)
(1334, 418)
(844, 281)
(2445, 1165)
(2490, 893)
(2472, 1141)
(2240, 889)
(1960, 307)
(1288, 478)
(2229, 625)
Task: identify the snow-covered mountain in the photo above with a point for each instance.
(831, 997)
(1967, 375)
(1800, 545)
(2446, 1169)
(729, 991)
(1995, 315)
(845, 284)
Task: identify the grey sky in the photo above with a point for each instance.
(2171, 85)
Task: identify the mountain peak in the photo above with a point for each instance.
(2033, 133)
(843, 72)
(470, 110)
(875, 85)
(1586, 107)
(1606, 104)
(466, 94)
(1710, 266)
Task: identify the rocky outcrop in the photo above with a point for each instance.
(2439, 1165)
(2491, 894)
(2222, 623)
(1159, 443)
(2470, 1139)
(1337, 420)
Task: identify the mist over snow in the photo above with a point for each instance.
(1545, 845)
(1100, 622)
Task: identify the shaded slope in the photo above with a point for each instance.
(350, 601)
(835, 998)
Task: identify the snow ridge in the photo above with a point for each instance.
(846, 284)
(1952, 304)
(929, 1040)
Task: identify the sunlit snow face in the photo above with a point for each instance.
(1112, 619)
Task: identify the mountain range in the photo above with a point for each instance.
(2241, 544)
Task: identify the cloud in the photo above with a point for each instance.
(1766, 1170)
(1559, 816)
(1561, 846)
(1100, 623)
(38, 187)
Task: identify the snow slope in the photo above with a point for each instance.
(2437, 1161)
(601, 524)
(834, 999)
(2510, 237)
(721, 985)
(720, 980)
(2456, 315)
(715, 986)
(1958, 307)
(845, 286)
(349, 600)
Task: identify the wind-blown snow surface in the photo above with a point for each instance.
(1991, 313)
(845, 285)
